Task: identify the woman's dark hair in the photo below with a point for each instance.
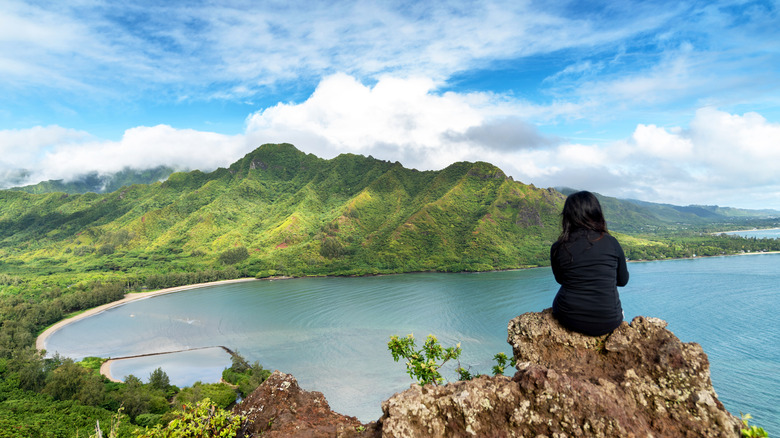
(581, 211)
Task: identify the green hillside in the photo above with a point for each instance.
(279, 211)
(647, 218)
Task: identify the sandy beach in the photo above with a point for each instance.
(40, 343)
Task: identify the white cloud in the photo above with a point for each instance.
(721, 158)
(657, 142)
(244, 48)
(43, 153)
(718, 158)
(744, 150)
(22, 148)
(405, 120)
(395, 119)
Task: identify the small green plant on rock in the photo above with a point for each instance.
(498, 370)
(465, 374)
(749, 431)
(423, 364)
(501, 362)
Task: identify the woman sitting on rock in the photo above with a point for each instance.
(589, 264)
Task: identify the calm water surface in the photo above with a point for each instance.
(772, 233)
(332, 333)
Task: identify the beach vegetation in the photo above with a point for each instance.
(158, 379)
(244, 376)
(201, 419)
(221, 394)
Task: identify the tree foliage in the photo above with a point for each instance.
(244, 376)
(158, 379)
(423, 364)
(203, 419)
(233, 255)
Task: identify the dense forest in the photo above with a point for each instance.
(275, 212)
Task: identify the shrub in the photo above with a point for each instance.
(218, 394)
(234, 255)
(422, 364)
(749, 431)
(203, 419)
(148, 420)
(331, 248)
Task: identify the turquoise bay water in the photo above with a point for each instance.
(772, 233)
(332, 333)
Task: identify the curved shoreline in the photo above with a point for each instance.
(40, 342)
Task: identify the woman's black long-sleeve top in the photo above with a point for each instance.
(589, 269)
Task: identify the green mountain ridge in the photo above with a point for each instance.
(281, 212)
(294, 213)
(633, 216)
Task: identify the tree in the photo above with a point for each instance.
(31, 368)
(159, 380)
(239, 364)
(234, 255)
(65, 382)
(133, 397)
(331, 248)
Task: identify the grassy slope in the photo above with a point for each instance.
(295, 213)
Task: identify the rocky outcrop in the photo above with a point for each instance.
(280, 408)
(638, 381)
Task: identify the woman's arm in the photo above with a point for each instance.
(622, 269)
(556, 267)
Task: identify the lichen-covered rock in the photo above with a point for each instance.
(280, 408)
(638, 381)
(483, 407)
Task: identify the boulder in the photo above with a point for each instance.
(638, 381)
(280, 408)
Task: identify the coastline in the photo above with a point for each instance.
(703, 257)
(40, 342)
(745, 231)
(105, 367)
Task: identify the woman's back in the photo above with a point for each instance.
(589, 268)
(589, 264)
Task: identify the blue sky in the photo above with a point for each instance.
(673, 102)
